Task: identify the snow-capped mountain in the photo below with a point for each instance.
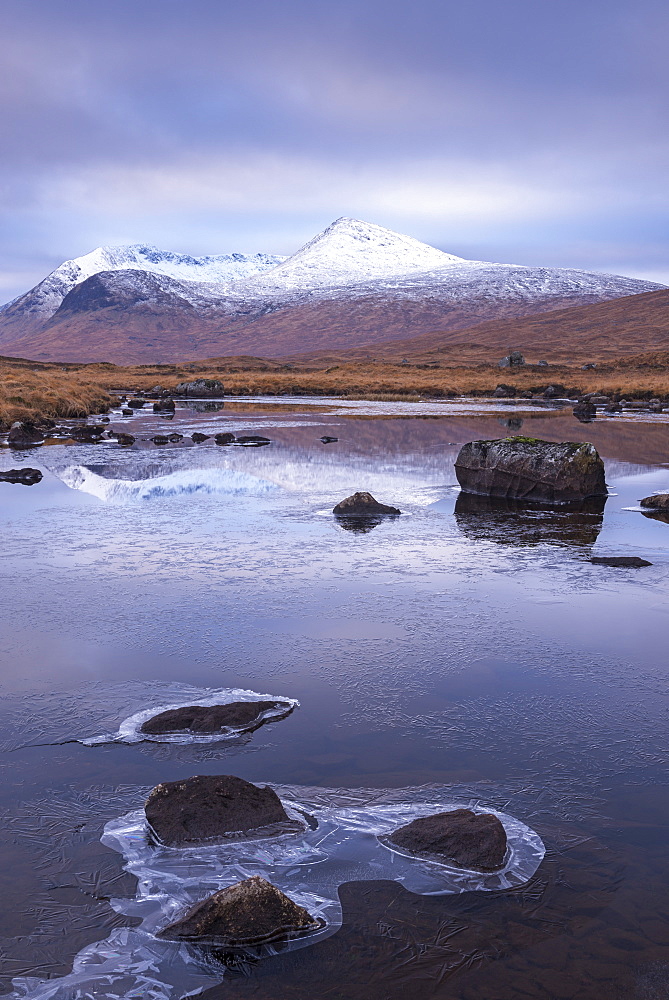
(354, 283)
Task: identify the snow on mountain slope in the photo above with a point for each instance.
(43, 300)
(350, 251)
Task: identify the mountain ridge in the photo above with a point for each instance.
(352, 284)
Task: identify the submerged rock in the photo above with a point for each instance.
(164, 405)
(225, 438)
(362, 505)
(253, 440)
(461, 837)
(251, 912)
(658, 501)
(206, 808)
(626, 561)
(23, 434)
(201, 387)
(198, 438)
(125, 440)
(87, 433)
(23, 477)
(530, 469)
(212, 718)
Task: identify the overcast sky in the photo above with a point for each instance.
(519, 131)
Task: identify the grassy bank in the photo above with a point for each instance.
(36, 396)
(33, 391)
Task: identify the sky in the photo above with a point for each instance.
(518, 131)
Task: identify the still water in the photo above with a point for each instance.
(453, 654)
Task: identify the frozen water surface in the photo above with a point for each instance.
(451, 656)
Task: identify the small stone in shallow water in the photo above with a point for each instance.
(658, 501)
(251, 912)
(206, 808)
(629, 561)
(225, 438)
(464, 838)
(362, 504)
(327, 439)
(253, 440)
(211, 718)
(198, 438)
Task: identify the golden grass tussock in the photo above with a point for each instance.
(31, 390)
(35, 395)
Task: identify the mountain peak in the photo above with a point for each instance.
(350, 250)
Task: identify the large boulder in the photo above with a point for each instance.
(207, 808)
(658, 501)
(513, 360)
(200, 388)
(203, 719)
(362, 505)
(251, 912)
(24, 477)
(521, 468)
(461, 837)
(24, 435)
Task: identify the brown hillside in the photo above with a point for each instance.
(142, 335)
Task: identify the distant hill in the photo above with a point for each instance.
(354, 284)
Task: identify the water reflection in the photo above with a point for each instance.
(513, 522)
(657, 515)
(363, 524)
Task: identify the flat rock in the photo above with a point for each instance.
(464, 838)
(362, 505)
(23, 477)
(251, 912)
(658, 501)
(521, 468)
(253, 440)
(206, 808)
(630, 561)
(211, 718)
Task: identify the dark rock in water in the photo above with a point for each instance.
(206, 406)
(521, 468)
(175, 437)
(212, 718)
(504, 391)
(160, 439)
(198, 438)
(523, 523)
(513, 360)
(127, 413)
(164, 405)
(585, 411)
(362, 505)
(136, 404)
(205, 808)
(613, 408)
(253, 440)
(251, 912)
(462, 837)
(23, 477)
(326, 439)
(125, 440)
(658, 501)
(225, 438)
(634, 562)
(24, 435)
(87, 433)
(200, 387)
